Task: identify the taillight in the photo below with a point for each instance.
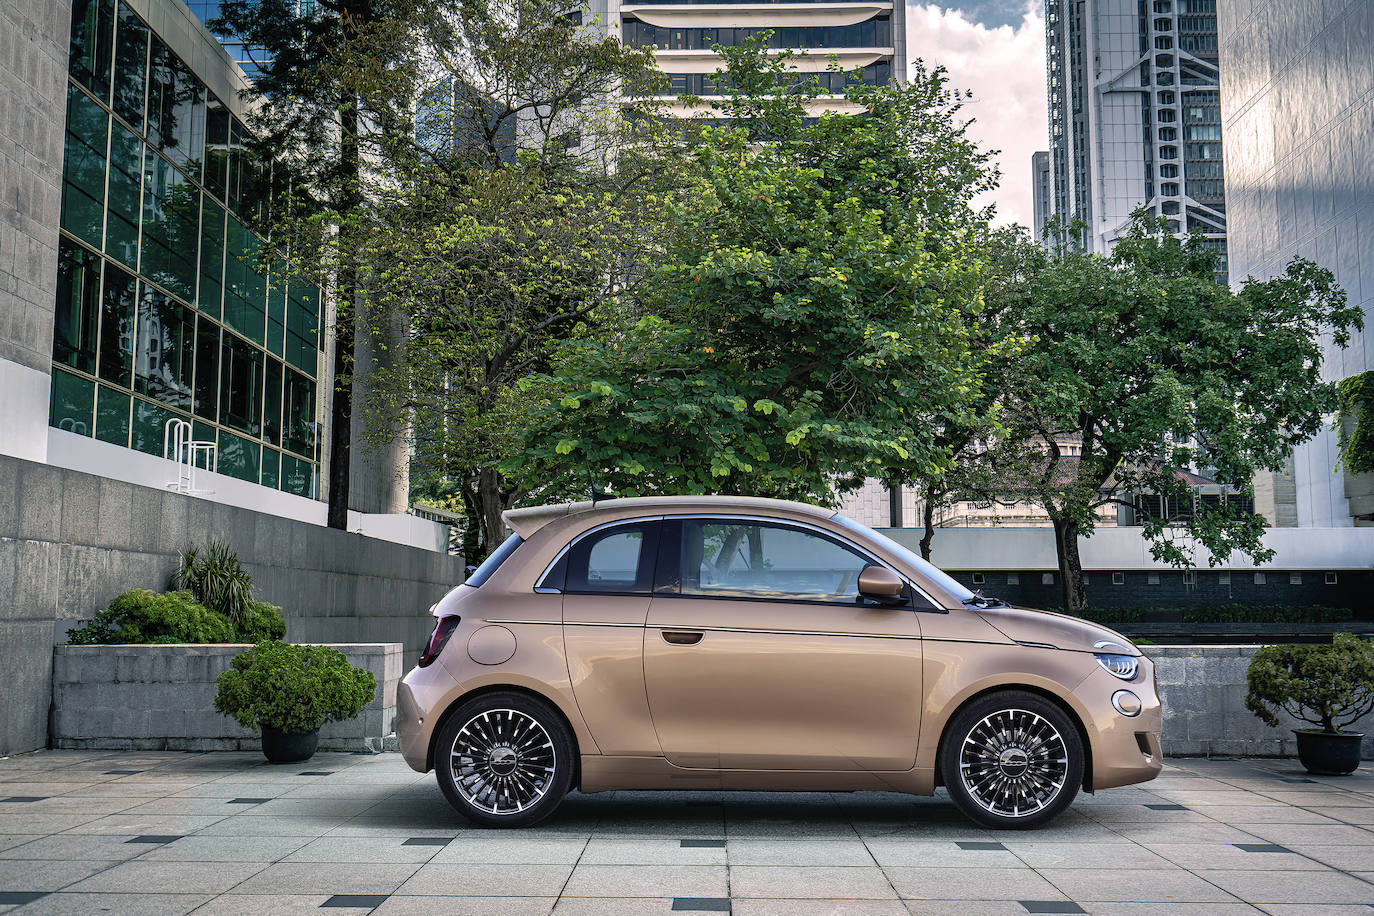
(443, 629)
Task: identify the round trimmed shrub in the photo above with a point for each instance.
(262, 622)
(292, 688)
(142, 616)
(1329, 686)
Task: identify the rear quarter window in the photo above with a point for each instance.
(493, 562)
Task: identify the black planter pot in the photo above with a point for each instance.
(1328, 755)
(289, 747)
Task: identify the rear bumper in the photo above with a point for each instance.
(411, 733)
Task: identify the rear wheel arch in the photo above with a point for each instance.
(458, 702)
(1064, 706)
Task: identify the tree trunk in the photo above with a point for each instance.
(472, 527)
(490, 505)
(928, 516)
(1070, 564)
(345, 320)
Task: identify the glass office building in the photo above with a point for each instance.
(1135, 116)
(166, 306)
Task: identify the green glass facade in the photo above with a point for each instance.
(164, 306)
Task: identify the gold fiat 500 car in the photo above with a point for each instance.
(732, 643)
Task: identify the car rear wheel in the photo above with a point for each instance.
(1012, 760)
(504, 760)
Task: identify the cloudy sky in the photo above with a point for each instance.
(997, 49)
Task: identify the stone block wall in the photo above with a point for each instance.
(162, 698)
(1203, 692)
(70, 542)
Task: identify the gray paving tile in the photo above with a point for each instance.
(486, 880)
(965, 907)
(701, 904)
(168, 877)
(1276, 886)
(202, 848)
(647, 881)
(264, 905)
(126, 823)
(852, 881)
(398, 905)
(940, 883)
(325, 878)
(924, 853)
(46, 875)
(512, 849)
(1194, 856)
(76, 847)
(361, 849)
(749, 851)
(612, 906)
(617, 850)
(1315, 834)
(1350, 858)
(1084, 855)
(1161, 885)
(793, 906)
(141, 904)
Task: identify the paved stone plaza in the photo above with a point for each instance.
(170, 833)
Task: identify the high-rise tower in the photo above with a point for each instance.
(1135, 116)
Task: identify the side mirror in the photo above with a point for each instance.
(880, 583)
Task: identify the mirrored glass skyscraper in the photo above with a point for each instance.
(1135, 116)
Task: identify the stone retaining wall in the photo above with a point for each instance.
(1203, 692)
(162, 698)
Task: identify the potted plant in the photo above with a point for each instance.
(1330, 686)
(289, 692)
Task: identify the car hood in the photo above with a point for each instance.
(1059, 630)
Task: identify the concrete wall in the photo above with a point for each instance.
(1203, 692)
(33, 84)
(163, 698)
(70, 542)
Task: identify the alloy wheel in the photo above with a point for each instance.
(503, 761)
(1013, 763)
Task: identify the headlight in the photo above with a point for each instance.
(1123, 666)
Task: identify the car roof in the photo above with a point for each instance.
(527, 521)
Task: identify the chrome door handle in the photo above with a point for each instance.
(681, 637)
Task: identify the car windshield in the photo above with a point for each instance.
(912, 559)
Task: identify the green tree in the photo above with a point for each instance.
(807, 322)
(335, 84)
(1154, 372)
(528, 208)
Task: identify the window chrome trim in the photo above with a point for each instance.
(541, 589)
(781, 522)
(694, 628)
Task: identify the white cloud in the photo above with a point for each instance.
(1005, 68)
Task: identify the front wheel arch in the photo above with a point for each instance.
(458, 701)
(1066, 708)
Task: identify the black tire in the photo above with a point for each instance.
(504, 760)
(1012, 760)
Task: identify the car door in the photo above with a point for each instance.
(606, 576)
(759, 653)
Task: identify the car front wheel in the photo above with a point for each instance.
(1012, 760)
(504, 760)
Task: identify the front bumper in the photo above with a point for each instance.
(1125, 749)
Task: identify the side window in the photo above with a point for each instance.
(618, 560)
(760, 560)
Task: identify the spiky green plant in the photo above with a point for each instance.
(217, 579)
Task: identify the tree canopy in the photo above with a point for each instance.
(807, 324)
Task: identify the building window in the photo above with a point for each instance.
(1223, 578)
(1331, 578)
(1118, 578)
(1259, 578)
(1047, 578)
(1013, 578)
(978, 578)
(1295, 578)
(1152, 578)
(1190, 577)
(156, 258)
